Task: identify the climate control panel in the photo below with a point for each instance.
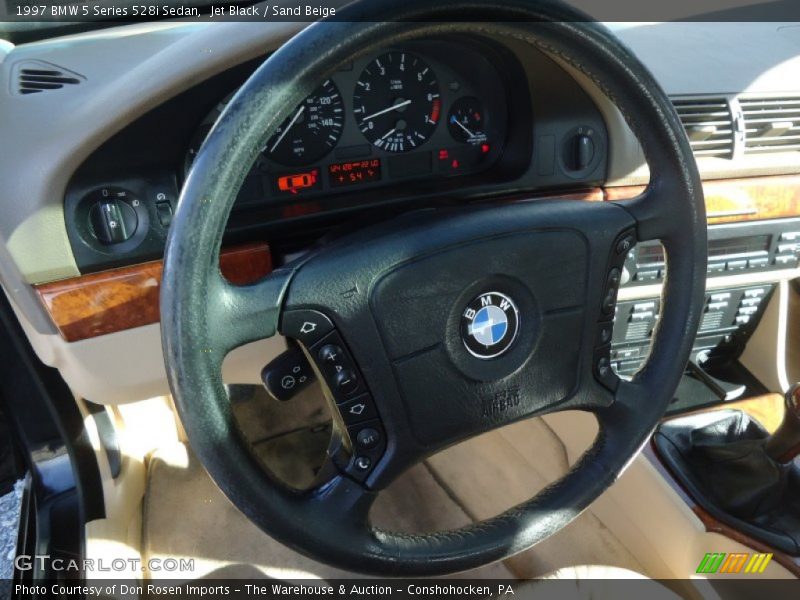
(729, 318)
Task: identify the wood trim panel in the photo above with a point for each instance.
(768, 409)
(100, 303)
(747, 199)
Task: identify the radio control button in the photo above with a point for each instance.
(715, 267)
(751, 301)
(357, 410)
(625, 243)
(307, 326)
(754, 292)
(714, 306)
(748, 310)
(737, 265)
(742, 319)
(758, 263)
(614, 277)
(790, 236)
(786, 261)
(605, 332)
(628, 353)
(641, 316)
(331, 354)
(787, 248)
(720, 296)
(346, 381)
(603, 370)
(646, 275)
(644, 306)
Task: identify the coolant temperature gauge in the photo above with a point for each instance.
(465, 121)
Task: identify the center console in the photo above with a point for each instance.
(744, 261)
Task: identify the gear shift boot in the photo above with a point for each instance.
(720, 458)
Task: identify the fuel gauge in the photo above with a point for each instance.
(465, 121)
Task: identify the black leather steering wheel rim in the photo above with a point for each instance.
(204, 317)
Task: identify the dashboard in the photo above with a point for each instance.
(429, 122)
(401, 115)
(143, 95)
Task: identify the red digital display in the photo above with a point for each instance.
(355, 172)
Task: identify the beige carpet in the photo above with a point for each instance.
(185, 515)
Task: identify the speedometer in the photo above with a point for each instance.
(311, 130)
(396, 102)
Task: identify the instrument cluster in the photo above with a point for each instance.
(424, 110)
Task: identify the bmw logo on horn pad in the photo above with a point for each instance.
(489, 325)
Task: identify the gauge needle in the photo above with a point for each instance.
(460, 124)
(388, 133)
(288, 127)
(385, 110)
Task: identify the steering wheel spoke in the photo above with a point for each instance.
(657, 210)
(239, 314)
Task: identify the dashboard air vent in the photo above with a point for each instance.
(771, 124)
(35, 76)
(709, 125)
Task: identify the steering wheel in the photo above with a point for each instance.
(442, 324)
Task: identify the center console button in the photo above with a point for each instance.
(647, 275)
(737, 265)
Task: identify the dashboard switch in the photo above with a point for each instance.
(112, 221)
(579, 150)
(164, 212)
(584, 152)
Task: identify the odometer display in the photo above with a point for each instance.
(311, 131)
(354, 172)
(396, 102)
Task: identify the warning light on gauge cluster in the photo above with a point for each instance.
(294, 183)
(354, 172)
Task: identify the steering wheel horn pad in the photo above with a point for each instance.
(388, 302)
(399, 294)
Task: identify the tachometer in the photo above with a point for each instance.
(397, 102)
(312, 129)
